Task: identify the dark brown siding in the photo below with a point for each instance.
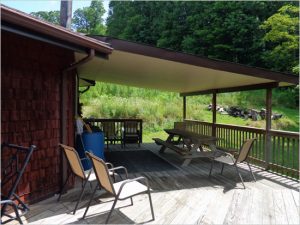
(30, 114)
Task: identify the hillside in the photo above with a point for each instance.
(161, 109)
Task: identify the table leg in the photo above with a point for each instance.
(186, 162)
(163, 148)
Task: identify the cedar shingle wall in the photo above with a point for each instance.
(30, 109)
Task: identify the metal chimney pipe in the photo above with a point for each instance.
(66, 13)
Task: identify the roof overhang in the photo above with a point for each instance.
(145, 66)
(23, 24)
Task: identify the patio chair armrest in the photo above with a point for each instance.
(109, 165)
(219, 153)
(223, 153)
(132, 180)
(141, 178)
(119, 168)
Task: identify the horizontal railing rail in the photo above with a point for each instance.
(284, 155)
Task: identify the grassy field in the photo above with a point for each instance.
(160, 110)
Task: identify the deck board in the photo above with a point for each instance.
(185, 196)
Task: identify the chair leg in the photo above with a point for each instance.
(211, 167)
(251, 172)
(80, 196)
(14, 207)
(20, 202)
(111, 210)
(222, 168)
(91, 199)
(63, 188)
(17, 213)
(151, 206)
(238, 172)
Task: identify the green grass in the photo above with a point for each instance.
(147, 136)
(160, 110)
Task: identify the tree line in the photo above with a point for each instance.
(263, 34)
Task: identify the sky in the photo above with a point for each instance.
(29, 6)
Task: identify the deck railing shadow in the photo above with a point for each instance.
(197, 175)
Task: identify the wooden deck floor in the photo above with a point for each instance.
(185, 196)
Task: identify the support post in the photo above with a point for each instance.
(268, 147)
(184, 107)
(214, 113)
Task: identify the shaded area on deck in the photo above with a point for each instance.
(138, 161)
(184, 196)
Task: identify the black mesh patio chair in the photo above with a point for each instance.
(228, 159)
(12, 173)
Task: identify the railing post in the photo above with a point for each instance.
(184, 108)
(214, 113)
(268, 148)
(141, 129)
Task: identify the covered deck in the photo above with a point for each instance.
(183, 195)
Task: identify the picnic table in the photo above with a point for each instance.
(192, 145)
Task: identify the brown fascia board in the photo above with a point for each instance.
(180, 57)
(233, 89)
(27, 21)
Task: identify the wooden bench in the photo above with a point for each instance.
(180, 151)
(184, 153)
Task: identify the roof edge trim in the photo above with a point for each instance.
(233, 89)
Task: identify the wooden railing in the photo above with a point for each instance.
(284, 146)
(118, 125)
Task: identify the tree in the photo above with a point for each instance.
(282, 39)
(222, 30)
(51, 16)
(89, 19)
(135, 21)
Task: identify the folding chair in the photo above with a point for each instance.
(13, 172)
(228, 159)
(77, 169)
(121, 190)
